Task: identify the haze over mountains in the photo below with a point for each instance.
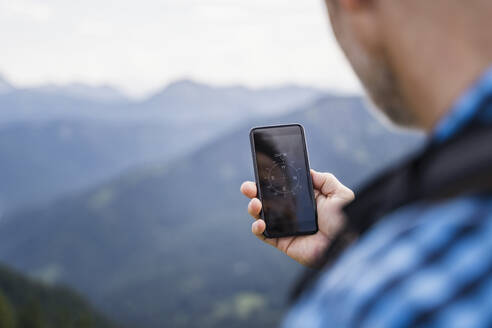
(184, 97)
(59, 139)
(170, 244)
(104, 93)
(5, 86)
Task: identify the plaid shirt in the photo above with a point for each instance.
(422, 265)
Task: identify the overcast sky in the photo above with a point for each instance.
(143, 45)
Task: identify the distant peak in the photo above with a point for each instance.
(185, 83)
(5, 86)
(180, 87)
(103, 93)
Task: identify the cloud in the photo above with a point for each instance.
(142, 45)
(95, 28)
(36, 11)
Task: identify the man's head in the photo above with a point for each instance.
(413, 57)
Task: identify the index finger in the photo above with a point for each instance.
(248, 188)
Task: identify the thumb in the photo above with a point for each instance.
(326, 183)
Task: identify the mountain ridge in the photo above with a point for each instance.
(55, 140)
(101, 93)
(5, 85)
(109, 93)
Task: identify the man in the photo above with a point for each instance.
(415, 247)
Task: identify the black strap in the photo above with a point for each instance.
(459, 166)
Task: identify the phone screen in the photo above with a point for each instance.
(284, 180)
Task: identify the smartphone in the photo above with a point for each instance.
(283, 180)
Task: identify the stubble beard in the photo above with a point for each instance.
(380, 84)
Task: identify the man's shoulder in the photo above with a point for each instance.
(421, 227)
(423, 219)
(413, 266)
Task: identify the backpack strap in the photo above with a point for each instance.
(462, 165)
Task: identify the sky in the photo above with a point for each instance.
(141, 46)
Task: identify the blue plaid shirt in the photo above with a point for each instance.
(423, 265)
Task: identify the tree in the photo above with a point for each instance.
(7, 317)
(31, 316)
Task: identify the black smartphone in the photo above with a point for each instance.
(283, 179)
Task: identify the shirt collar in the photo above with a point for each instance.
(464, 109)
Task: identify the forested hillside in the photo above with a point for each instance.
(28, 304)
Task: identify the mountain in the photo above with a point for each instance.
(26, 303)
(43, 160)
(102, 93)
(179, 102)
(5, 86)
(190, 99)
(56, 140)
(171, 244)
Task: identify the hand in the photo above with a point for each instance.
(330, 196)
